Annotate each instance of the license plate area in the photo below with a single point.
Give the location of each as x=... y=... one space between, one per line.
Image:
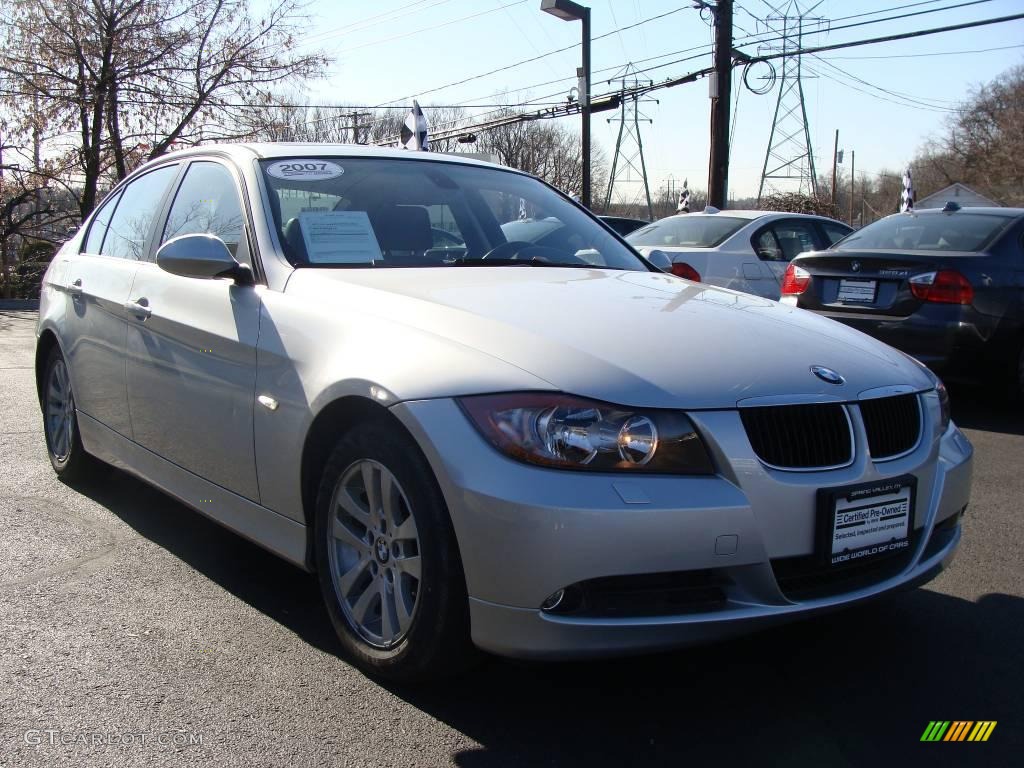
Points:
x=862 y=523
x=857 y=291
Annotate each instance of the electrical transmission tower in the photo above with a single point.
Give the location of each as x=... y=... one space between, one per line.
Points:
x=628 y=167
x=789 y=161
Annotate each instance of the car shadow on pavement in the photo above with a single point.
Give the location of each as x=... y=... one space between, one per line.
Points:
x=852 y=688
x=280 y=590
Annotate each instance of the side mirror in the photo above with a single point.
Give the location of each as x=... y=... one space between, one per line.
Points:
x=661 y=260
x=202 y=256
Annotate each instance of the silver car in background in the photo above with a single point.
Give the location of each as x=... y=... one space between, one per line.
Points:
x=742 y=250
x=539 y=450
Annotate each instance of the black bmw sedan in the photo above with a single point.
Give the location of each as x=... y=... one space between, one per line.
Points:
x=946 y=286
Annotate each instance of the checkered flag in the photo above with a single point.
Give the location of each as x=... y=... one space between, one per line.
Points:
x=684 y=198
x=907 y=197
x=414 y=129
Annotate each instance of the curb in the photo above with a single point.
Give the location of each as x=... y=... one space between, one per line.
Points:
x=19 y=304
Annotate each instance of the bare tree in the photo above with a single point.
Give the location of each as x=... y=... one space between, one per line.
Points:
x=129 y=79
x=547 y=150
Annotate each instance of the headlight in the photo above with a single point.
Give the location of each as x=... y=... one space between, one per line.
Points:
x=556 y=430
x=944 y=408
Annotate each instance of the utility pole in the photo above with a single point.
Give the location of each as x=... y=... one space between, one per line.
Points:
x=835 y=156
x=355 y=116
x=721 y=92
x=585 y=111
x=853 y=178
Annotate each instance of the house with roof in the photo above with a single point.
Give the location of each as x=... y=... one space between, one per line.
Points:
x=958 y=193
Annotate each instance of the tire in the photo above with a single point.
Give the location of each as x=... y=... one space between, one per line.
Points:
x=60 y=423
x=1017 y=392
x=388 y=562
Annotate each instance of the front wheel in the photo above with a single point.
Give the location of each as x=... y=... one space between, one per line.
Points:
x=1018 y=389
x=60 y=422
x=388 y=563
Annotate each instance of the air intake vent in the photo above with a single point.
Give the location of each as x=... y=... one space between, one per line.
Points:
x=800 y=436
x=893 y=425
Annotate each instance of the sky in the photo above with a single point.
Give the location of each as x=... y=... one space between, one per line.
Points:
x=388 y=51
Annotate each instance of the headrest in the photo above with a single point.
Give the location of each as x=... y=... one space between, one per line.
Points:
x=403 y=228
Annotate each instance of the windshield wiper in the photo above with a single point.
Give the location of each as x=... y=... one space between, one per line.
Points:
x=481 y=262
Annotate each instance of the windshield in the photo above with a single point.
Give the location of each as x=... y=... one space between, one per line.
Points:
x=384 y=212
x=931 y=232
x=693 y=231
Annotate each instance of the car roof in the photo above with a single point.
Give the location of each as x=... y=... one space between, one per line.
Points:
x=243 y=151
x=985 y=211
x=748 y=214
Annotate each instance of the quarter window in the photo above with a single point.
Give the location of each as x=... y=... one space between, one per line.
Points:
x=98 y=228
x=129 y=227
x=207 y=203
x=767 y=246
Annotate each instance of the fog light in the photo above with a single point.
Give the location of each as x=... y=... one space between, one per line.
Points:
x=554 y=601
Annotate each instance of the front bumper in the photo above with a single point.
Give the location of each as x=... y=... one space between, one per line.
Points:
x=526 y=532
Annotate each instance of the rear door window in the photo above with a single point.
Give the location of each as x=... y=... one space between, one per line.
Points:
x=129 y=227
x=795 y=237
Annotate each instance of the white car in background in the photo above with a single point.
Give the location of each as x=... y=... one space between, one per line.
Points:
x=743 y=250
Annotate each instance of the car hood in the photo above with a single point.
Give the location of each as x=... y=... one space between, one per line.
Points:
x=644 y=339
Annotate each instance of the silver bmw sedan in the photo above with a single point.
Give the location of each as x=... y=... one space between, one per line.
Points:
x=538 y=447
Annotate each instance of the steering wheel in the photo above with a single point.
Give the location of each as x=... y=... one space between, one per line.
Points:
x=517 y=249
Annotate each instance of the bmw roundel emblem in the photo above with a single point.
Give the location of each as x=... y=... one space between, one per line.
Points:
x=855 y=266
x=827 y=374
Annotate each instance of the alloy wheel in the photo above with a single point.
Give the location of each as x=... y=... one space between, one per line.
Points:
x=374 y=553
x=60 y=411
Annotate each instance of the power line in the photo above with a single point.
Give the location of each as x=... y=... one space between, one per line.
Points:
x=876 y=21
x=891 y=38
x=740 y=42
x=532 y=58
x=570 y=109
x=918 y=55
x=369 y=21
x=899 y=101
x=924 y=101
x=435 y=26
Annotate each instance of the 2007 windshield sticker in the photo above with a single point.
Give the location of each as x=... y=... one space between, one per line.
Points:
x=306 y=170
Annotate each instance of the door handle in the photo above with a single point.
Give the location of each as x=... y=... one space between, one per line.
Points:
x=75 y=289
x=139 y=308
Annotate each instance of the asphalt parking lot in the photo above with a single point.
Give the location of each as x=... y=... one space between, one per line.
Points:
x=132 y=626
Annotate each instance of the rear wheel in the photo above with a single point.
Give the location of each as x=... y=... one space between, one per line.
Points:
x=60 y=422
x=388 y=563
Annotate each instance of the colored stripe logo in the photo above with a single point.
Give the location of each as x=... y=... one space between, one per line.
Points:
x=958 y=730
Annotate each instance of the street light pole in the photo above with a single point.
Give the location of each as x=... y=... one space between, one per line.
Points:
x=566 y=10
